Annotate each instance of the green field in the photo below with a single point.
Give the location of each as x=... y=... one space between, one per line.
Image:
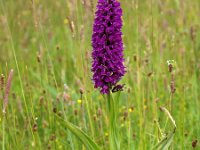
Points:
x=48 y=45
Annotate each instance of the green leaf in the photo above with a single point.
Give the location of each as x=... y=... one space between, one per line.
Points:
x=82 y=136
x=166 y=140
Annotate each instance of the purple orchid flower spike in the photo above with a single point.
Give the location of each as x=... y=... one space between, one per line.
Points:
x=108 y=63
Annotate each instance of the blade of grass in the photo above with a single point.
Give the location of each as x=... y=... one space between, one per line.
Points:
x=166 y=140
x=85 y=139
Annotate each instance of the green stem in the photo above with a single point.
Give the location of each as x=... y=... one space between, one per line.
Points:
x=3 y=142
x=113 y=131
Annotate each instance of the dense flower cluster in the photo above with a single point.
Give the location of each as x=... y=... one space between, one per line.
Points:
x=107 y=54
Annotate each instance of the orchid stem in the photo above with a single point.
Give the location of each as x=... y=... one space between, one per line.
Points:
x=113 y=131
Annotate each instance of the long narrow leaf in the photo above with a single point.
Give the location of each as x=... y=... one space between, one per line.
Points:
x=82 y=136
x=166 y=140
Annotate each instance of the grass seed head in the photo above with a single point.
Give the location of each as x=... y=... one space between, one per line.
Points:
x=2 y=82
x=194 y=143
x=7 y=90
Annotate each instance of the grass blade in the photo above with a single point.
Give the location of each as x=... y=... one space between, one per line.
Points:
x=82 y=136
x=166 y=140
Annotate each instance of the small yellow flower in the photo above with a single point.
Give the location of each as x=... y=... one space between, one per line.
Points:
x=66 y=21
x=33 y=143
x=106 y=134
x=131 y=109
x=145 y=107
x=79 y=101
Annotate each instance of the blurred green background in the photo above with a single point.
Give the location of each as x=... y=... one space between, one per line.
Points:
x=48 y=44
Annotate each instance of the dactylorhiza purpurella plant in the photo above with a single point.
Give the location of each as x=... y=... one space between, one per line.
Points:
x=107 y=67
x=107 y=54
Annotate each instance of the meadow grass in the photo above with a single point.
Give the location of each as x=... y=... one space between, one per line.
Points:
x=48 y=45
